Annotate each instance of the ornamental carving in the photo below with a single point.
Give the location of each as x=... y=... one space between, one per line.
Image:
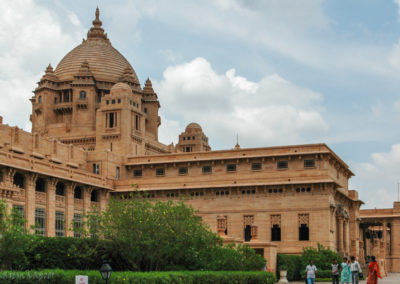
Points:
x=248 y=220
x=304 y=219
x=275 y=220
x=222 y=223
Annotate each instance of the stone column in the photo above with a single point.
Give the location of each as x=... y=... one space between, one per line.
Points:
x=384 y=238
x=340 y=235
x=103 y=194
x=395 y=245
x=30 y=200
x=69 y=209
x=51 y=207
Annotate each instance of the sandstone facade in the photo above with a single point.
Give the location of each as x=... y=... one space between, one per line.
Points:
x=95 y=133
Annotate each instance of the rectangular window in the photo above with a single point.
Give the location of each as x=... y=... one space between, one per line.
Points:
x=183 y=171
x=282 y=164
x=137 y=122
x=40 y=221
x=60 y=224
x=96 y=168
x=137 y=173
x=160 y=172
x=188 y=149
x=309 y=163
x=304 y=231
x=256 y=166
x=231 y=168
x=206 y=169
x=20 y=209
x=77 y=225
x=117 y=169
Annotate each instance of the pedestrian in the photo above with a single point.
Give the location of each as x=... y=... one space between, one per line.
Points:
x=311 y=270
x=373 y=272
x=335 y=272
x=355 y=270
x=346 y=273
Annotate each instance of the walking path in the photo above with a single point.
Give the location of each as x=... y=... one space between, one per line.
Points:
x=392 y=278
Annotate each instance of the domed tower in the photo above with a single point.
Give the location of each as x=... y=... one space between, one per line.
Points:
x=66 y=99
x=193 y=139
x=120 y=122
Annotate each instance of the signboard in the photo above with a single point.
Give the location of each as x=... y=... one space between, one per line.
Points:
x=81 y=279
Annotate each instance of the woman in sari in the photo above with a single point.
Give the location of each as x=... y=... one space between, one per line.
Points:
x=373 y=272
x=345 y=276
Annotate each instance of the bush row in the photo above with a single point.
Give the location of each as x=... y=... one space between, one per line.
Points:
x=39 y=253
x=189 y=277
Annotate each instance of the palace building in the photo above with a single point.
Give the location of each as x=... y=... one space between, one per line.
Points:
x=95 y=133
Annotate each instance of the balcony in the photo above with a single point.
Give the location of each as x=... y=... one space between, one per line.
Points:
x=63 y=108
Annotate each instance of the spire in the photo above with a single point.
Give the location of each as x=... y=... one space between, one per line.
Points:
x=97 y=32
x=84 y=70
x=237 y=146
x=148 y=91
x=129 y=77
x=49 y=74
x=49 y=69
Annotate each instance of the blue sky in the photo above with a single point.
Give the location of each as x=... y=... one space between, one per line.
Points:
x=276 y=72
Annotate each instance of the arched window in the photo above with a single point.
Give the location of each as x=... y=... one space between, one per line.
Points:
x=40 y=185
x=60 y=189
x=78 y=192
x=94 y=197
x=82 y=95
x=19 y=180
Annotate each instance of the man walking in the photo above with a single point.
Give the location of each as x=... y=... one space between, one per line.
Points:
x=355 y=270
x=311 y=271
x=335 y=272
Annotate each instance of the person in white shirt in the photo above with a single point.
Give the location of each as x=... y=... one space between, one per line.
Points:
x=355 y=270
x=311 y=271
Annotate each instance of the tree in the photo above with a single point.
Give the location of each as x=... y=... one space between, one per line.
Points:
x=13 y=237
x=166 y=236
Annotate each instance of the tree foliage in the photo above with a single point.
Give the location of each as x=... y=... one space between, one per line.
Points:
x=167 y=236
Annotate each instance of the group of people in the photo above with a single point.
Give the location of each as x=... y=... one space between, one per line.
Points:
x=351 y=271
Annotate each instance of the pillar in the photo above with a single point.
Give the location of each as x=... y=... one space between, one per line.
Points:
x=30 y=201
x=395 y=245
x=69 y=209
x=340 y=235
x=50 y=208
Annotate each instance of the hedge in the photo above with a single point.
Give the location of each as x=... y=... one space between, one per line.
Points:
x=292 y=264
x=189 y=277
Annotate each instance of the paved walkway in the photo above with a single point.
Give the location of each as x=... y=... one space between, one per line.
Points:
x=392 y=278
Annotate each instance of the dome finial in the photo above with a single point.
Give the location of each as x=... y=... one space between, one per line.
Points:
x=97 y=32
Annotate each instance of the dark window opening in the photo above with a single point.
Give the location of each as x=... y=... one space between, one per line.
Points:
x=137 y=122
x=94 y=196
x=111 y=123
x=60 y=189
x=231 y=168
x=96 y=168
x=113 y=102
x=119 y=101
x=137 y=173
x=145 y=110
x=40 y=99
x=275 y=233
x=78 y=192
x=256 y=166
x=40 y=185
x=188 y=149
x=183 y=171
x=117 y=172
x=82 y=95
x=19 y=180
x=309 y=163
x=98 y=96
x=55 y=100
x=282 y=165
x=160 y=172
x=247 y=233
x=304 y=232
x=188 y=138
x=207 y=169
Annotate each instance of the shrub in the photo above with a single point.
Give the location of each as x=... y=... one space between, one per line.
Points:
x=189 y=277
x=292 y=264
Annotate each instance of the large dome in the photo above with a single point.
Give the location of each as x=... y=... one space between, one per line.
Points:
x=105 y=62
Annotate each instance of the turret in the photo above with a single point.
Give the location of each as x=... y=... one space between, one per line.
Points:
x=151 y=105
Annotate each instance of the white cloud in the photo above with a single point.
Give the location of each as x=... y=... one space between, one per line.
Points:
x=377 y=180
x=31 y=37
x=271 y=111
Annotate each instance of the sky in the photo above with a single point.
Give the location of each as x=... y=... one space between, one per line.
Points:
x=273 y=72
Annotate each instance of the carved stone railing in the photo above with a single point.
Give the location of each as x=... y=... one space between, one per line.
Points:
x=60 y=201
x=78 y=204
x=40 y=197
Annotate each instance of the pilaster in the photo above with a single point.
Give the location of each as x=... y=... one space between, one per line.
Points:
x=69 y=209
x=50 y=207
x=30 y=200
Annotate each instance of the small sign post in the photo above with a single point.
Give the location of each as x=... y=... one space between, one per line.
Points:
x=81 y=279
